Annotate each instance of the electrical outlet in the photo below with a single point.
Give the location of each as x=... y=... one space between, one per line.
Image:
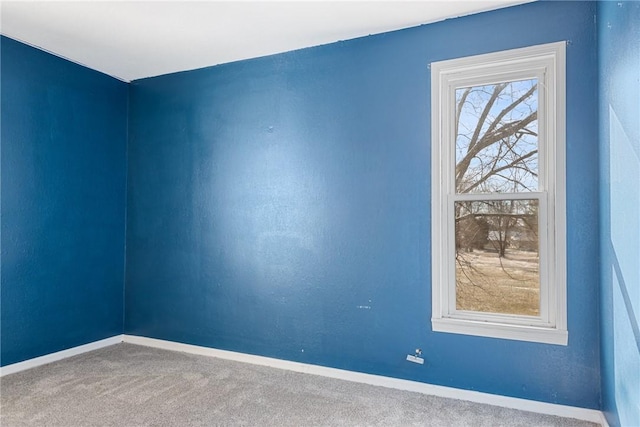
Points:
x=415 y=359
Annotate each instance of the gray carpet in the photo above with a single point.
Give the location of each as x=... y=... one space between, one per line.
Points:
x=129 y=385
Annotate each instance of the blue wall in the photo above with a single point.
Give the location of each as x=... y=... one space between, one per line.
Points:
x=64 y=134
x=281 y=207
x=619 y=55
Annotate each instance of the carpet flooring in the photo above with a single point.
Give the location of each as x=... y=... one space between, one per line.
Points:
x=129 y=385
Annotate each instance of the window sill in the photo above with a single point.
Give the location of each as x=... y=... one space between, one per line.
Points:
x=500 y=330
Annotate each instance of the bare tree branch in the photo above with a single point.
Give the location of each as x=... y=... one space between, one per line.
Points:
x=502 y=133
x=498 y=170
x=513 y=105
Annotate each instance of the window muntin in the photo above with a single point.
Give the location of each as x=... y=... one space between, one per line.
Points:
x=498 y=195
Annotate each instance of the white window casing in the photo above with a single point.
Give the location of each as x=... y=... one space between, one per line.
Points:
x=546 y=63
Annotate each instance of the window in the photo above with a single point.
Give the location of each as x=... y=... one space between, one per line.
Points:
x=498 y=195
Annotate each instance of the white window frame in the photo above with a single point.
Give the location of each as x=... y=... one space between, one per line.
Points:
x=547 y=64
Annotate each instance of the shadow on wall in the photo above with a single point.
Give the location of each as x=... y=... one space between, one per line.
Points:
x=624 y=254
x=619 y=68
x=622 y=270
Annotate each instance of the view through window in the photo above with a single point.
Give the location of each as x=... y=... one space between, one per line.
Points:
x=496 y=240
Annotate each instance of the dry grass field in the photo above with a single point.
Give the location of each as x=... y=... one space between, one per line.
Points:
x=508 y=285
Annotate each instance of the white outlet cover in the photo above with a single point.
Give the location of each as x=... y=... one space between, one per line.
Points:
x=415 y=359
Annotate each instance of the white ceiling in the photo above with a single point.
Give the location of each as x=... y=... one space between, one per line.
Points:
x=135 y=39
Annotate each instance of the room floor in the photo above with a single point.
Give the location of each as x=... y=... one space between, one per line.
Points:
x=132 y=385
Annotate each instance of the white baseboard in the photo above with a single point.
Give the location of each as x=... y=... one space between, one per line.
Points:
x=591 y=415
x=59 y=355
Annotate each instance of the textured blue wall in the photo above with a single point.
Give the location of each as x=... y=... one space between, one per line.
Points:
x=64 y=134
x=281 y=207
x=619 y=54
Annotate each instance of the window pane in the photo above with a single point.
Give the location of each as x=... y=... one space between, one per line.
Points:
x=497 y=138
x=497 y=257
